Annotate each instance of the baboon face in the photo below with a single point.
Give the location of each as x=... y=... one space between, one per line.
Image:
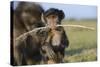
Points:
x=30 y=17
x=27 y=17
x=52 y=21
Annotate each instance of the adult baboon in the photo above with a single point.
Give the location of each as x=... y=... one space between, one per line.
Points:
x=57 y=39
x=25 y=17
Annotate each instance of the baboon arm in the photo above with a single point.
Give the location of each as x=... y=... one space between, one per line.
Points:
x=65 y=40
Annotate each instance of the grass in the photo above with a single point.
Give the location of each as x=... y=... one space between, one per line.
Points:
x=83 y=42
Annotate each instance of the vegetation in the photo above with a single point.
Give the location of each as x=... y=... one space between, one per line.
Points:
x=83 y=42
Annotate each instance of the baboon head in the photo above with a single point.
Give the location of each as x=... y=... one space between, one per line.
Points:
x=29 y=13
x=53 y=17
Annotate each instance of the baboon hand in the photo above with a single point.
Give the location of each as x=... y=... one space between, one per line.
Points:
x=49 y=51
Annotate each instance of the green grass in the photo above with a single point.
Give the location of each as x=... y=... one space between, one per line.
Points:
x=83 y=42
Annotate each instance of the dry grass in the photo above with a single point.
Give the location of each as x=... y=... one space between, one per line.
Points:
x=83 y=42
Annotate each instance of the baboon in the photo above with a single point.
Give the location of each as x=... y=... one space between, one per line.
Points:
x=25 y=17
x=56 y=39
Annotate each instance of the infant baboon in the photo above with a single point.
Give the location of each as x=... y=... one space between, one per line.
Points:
x=57 y=38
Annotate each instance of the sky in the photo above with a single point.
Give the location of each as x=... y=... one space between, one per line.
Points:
x=72 y=10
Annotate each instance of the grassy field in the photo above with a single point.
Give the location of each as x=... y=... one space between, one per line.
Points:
x=83 y=42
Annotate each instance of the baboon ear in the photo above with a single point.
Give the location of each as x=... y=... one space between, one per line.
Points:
x=61 y=15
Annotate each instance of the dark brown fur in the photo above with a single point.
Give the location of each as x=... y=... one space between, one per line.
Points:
x=28 y=50
x=25 y=17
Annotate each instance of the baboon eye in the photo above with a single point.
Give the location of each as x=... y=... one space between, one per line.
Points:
x=53 y=16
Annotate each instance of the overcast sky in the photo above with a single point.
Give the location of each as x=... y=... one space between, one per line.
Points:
x=72 y=10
